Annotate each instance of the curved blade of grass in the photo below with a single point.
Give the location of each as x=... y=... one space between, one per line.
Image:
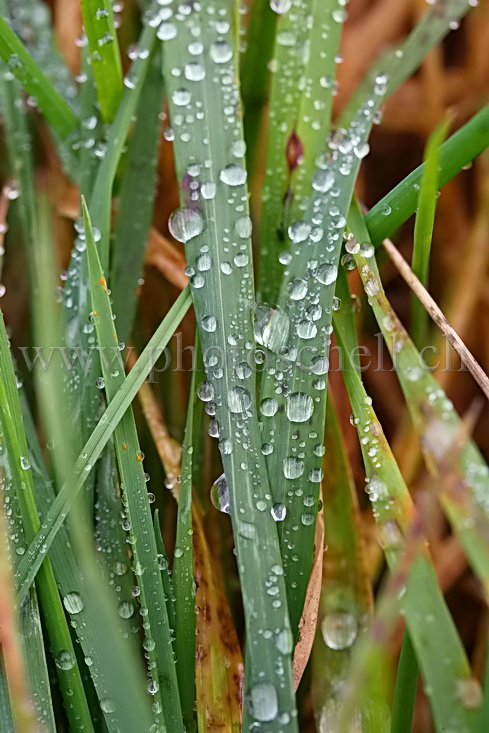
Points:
x=436 y=422
x=423 y=229
x=61 y=644
x=255 y=77
x=5 y=707
x=98 y=20
x=60 y=507
x=33 y=23
x=429 y=622
x=457 y=152
x=111 y=538
x=55 y=109
x=223 y=296
x=136 y=202
x=183 y=576
x=289 y=61
x=29 y=621
x=346 y=594
x=406 y=688
x=163 y=678
x=20 y=704
x=307 y=298
x=79 y=336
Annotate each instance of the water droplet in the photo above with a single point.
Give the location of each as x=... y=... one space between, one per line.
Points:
x=269 y=407
x=281 y=6
x=65 y=660
x=264 y=702
x=233 y=175
x=221 y=52
x=208 y=190
x=184 y=224
x=293 y=467
x=243 y=227
x=297 y=289
x=107 y=705
x=239 y=399
x=209 y=324
x=24 y=463
x=126 y=609
x=322 y=181
x=326 y=273
x=206 y=392
x=220 y=495
x=181 y=97
x=339 y=629
x=299 y=231
x=100 y=382
x=73 y=602
x=469 y=693
x=299 y=407
x=166 y=32
x=271 y=327
x=279 y=512
x=194 y=71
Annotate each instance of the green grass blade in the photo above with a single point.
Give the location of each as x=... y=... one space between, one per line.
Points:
x=55 y=109
x=423 y=230
x=255 y=76
x=112 y=539
x=429 y=622
x=136 y=202
x=33 y=24
x=183 y=575
x=105 y=58
x=436 y=422
x=29 y=622
x=93 y=448
x=406 y=688
x=289 y=60
x=346 y=595
x=5 y=708
x=163 y=680
x=59 y=635
x=457 y=152
x=306 y=299
x=216 y=228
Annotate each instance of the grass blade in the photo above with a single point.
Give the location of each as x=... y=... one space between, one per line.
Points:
x=255 y=77
x=105 y=59
x=163 y=680
x=436 y=422
x=222 y=289
x=21 y=64
x=428 y=619
x=183 y=576
x=59 y=635
x=406 y=688
x=457 y=152
x=283 y=146
x=346 y=595
x=64 y=501
x=423 y=229
x=136 y=202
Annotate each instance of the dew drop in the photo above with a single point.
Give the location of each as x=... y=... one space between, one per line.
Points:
x=299 y=407
x=233 y=175
x=184 y=224
x=220 y=495
x=264 y=702
x=73 y=602
x=339 y=630
x=239 y=399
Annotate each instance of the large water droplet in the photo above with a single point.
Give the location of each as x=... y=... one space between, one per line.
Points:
x=281 y=6
x=184 y=224
x=239 y=399
x=269 y=407
x=326 y=273
x=293 y=467
x=221 y=52
x=271 y=327
x=299 y=407
x=73 y=602
x=220 y=495
x=339 y=629
x=233 y=175
x=65 y=660
x=264 y=702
